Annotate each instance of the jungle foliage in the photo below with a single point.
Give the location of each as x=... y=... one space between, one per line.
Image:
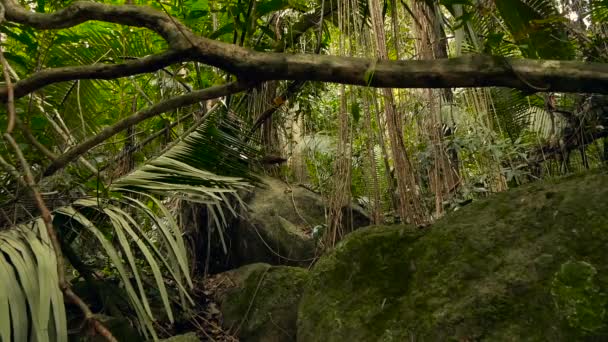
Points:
x=117 y=113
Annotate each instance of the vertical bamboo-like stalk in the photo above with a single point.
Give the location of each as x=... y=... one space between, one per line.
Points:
x=431 y=44
x=410 y=204
x=340 y=196
x=341 y=183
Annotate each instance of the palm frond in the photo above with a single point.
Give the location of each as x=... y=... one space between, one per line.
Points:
x=537 y=28
x=512 y=110
x=133 y=240
x=599 y=11
x=29 y=288
x=208 y=166
x=30 y=297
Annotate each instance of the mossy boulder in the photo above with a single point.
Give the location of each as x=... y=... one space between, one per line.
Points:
x=188 y=337
x=527 y=265
x=277 y=224
x=262 y=305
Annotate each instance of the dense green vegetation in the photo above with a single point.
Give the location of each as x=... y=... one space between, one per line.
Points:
x=133 y=130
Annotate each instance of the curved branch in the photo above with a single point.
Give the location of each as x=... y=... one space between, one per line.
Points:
x=95 y=71
x=80 y=12
x=159 y=108
x=466 y=71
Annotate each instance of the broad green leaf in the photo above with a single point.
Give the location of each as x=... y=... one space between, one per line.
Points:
x=198 y=8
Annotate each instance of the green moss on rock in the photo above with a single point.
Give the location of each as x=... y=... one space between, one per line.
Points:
x=189 y=337
x=526 y=265
x=578 y=297
x=263 y=306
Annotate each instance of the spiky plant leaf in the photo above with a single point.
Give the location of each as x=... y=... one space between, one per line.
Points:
x=122 y=219
x=133 y=239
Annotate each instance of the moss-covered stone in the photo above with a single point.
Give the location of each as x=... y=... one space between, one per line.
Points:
x=263 y=304
x=578 y=297
x=527 y=265
x=189 y=337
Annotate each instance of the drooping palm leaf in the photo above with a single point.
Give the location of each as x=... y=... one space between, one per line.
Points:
x=133 y=240
x=209 y=166
x=30 y=298
x=29 y=287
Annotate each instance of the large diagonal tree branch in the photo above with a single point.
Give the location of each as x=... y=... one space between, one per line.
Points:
x=161 y=107
x=466 y=71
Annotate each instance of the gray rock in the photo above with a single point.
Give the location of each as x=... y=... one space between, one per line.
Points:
x=276 y=228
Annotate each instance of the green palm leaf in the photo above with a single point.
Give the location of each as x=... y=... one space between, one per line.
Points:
x=29 y=286
x=209 y=166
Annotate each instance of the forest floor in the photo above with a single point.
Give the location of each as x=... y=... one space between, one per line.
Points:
x=206 y=318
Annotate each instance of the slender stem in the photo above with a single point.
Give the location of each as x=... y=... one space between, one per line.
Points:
x=32 y=140
x=10 y=99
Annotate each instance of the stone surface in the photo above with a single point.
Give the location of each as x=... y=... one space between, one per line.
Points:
x=189 y=337
x=276 y=228
x=527 y=265
x=262 y=305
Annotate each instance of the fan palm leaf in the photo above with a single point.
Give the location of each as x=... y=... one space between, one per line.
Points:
x=28 y=305
x=207 y=166
x=37 y=310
